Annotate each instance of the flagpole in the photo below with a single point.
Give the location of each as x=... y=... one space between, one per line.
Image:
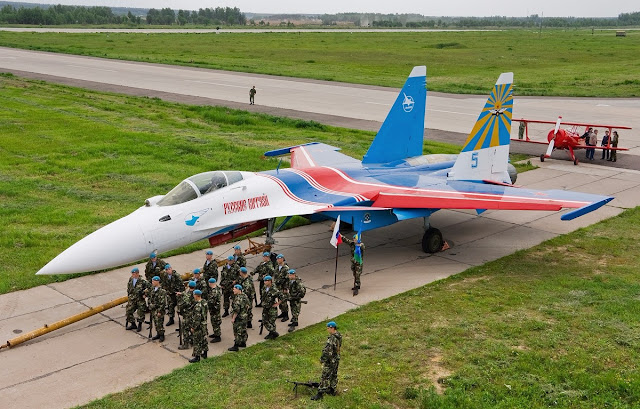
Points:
x=335 y=274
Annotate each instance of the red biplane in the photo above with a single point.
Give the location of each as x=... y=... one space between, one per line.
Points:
x=568 y=139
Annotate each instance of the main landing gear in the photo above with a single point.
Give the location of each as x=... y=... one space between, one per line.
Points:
x=432 y=241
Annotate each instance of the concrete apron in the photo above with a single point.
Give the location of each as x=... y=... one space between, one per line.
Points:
x=95 y=357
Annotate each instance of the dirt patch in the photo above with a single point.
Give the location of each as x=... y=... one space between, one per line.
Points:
x=436 y=372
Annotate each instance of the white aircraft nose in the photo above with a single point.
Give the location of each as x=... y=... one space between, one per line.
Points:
x=118 y=243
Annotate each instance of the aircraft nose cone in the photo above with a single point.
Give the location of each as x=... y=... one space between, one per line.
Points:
x=115 y=244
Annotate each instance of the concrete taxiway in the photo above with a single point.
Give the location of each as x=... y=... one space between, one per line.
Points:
x=94 y=357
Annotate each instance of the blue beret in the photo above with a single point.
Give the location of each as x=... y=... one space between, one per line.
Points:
x=209 y=252
x=196 y=271
x=267 y=278
x=212 y=280
x=155 y=278
x=197 y=292
x=292 y=271
x=238 y=286
x=167 y=266
x=266 y=254
x=153 y=255
x=192 y=283
x=135 y=270
x=280 y=256
x=237 y=247
x=230 y=258
x=331 y=324
x=243 y=269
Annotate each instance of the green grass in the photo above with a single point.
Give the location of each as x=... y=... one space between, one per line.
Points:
x=74 y=160
x=552 y=326
x=557 y=62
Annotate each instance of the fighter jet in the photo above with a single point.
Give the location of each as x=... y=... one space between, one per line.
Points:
x=393 y=182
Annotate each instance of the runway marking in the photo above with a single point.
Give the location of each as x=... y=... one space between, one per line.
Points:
x=451 y=112
x=216 y=83
x=90 y=68
x=375 y=103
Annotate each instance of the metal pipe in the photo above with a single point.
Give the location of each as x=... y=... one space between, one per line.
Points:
x=63 y=323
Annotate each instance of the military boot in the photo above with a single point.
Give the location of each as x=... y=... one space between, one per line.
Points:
x=170 y=322
x=204 y=355
x=226 y=313
x=195 y=359
x=249 y=324
x=318 y=396
x=274 y=335
x=234 y=348
x=215 y=339
x=291 y=328
x=139 y=326
x=161 y=338
x=355 y=292
x=285 y=318
x=157 y=336
x=130 y=325
x=281 y=315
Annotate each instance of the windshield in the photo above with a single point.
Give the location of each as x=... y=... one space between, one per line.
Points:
x=198 y=185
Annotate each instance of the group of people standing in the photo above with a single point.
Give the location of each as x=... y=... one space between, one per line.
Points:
x=609 y=141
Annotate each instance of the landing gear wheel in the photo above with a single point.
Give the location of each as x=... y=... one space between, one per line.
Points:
x=575 y=161
x=542 y=158
x=432 y=241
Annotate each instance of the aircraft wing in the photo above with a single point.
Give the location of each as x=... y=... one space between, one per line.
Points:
x=315 y=154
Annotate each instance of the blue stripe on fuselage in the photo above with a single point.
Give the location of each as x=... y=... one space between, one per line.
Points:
x=300 y=187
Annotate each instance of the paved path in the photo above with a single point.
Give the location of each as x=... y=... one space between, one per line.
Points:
x=94 y=357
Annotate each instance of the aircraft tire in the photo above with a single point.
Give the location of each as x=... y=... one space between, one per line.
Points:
x=575 y=161
x=542 y=158
x=432 y=241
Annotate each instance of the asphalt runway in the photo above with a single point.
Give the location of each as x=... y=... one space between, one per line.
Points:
x=94 y=357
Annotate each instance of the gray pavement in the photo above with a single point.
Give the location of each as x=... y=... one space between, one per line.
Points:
x=94 y=357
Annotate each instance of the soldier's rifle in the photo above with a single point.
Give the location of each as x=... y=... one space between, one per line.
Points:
x=309 y=384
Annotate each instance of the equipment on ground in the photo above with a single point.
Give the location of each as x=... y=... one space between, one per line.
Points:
x=310 y=384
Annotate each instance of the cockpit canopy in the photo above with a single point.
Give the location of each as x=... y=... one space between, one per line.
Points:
x=198 y=185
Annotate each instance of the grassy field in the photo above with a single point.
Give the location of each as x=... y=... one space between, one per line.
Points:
x=567 y=63
x=552 y=326
x=74 y=160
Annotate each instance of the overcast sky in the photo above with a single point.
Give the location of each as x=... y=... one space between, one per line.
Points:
x=561 y=8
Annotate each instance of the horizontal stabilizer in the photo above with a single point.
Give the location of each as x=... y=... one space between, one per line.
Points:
x=585 y=209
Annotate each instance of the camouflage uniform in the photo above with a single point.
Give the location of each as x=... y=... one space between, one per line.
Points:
x=356 y=268
x=229 y=274
x=172 y=285
x=281 y=281
x=136 y=300
x=241 y=305
x=201 y=285
x=199 y=326
x=240 y=260
x=185 y=308
x=264 y=269
x=269 y=312
x=249 y=290
x=210 y=270
x=330 y=360
x=213 y=301
x=150 y=270
x=157 y=297
x=297 y=291
x=614 y=144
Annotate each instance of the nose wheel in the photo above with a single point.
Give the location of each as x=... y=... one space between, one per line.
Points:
x=432 y=241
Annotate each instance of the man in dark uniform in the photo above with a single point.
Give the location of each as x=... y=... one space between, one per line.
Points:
x=172 y=284
x=247 y=287
x=210 y=267
x=228 y=277
x=330 y=360
x=357 y=258
x=185 y=309
x=199 y=327
x=239 y=258
x=154 y=266
x=271 y=298
x=297 y=291
x=136 y=288
x=214 y=298
x=282 y=283
x=157 y=298
x=200 y=283
x=239 y=312
x=252 y=95
x=264 y=269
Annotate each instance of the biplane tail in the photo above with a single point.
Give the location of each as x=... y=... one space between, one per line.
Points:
x=402 y=133
x=485 y=155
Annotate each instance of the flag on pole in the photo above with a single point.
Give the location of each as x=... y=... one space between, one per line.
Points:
x=357 y=254
x=336 y=238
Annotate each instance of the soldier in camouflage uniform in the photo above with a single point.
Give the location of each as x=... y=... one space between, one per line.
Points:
x=282 y=283
x=185 y=309
x=238 y=256
x=214 y=298
x=172 y=284
x=271 y=298
x=356 y=266
x=135 y=293
x=199 y=327
x=154 y=267
x=157 y=298
x=200 y=283
x=297 y=291
x=330 y=360
x=249 y=290
x=264 y=269
x=210 y=267
x=228 y=277
x=239 y=312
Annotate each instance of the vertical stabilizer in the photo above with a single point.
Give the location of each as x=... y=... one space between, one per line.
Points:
x=401 y=135
x=485 y=155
